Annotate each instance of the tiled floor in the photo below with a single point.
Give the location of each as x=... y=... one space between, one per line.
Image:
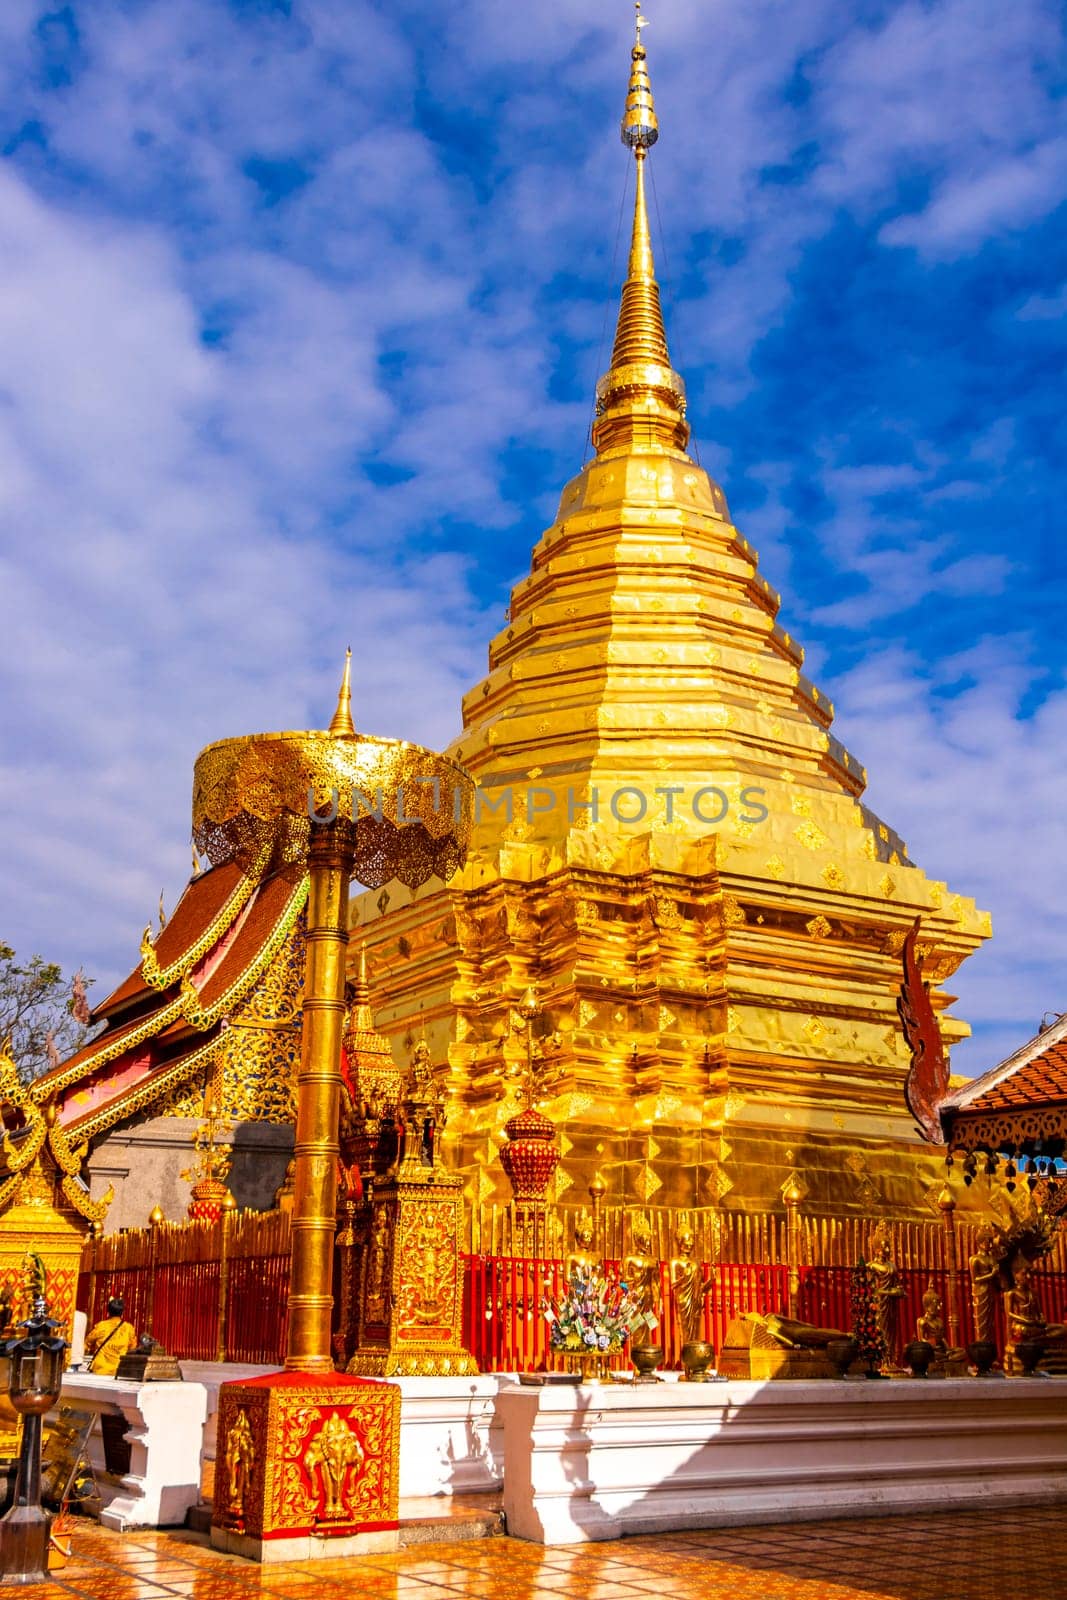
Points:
x=1021 y=1554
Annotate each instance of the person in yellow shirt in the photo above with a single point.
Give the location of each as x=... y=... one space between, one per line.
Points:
x=109 y=1341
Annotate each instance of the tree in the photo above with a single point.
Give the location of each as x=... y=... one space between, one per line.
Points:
x=44 y=1014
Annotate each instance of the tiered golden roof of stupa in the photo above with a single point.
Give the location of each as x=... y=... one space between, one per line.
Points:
x=643 y=649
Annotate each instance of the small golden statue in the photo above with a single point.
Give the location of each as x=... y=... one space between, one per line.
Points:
x=239 y=1460
x=334 y=1450
x=887 y=1291
x=641 y=1271
x=583 y=1259
x=689 y=1285
x=379 y=1256
x=1026 y=1321
x=985 y=1278
x=930 y=1329
x=422 y=1114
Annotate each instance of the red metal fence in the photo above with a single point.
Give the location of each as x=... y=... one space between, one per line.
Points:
x=218 y=1291
x=208 y=1291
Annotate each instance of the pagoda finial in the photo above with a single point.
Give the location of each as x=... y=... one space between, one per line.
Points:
x=641 y=382
x=342 y=726
x=640 y=128
x=361 y=987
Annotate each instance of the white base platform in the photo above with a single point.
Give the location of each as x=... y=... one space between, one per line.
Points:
x=165 y=1429
x=603 y=1461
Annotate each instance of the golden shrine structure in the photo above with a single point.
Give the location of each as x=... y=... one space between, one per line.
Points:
x=671 y=849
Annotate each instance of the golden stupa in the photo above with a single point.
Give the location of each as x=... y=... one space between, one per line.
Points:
x=672 y=850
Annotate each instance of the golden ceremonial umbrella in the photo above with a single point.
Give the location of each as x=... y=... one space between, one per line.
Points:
x=348 y=805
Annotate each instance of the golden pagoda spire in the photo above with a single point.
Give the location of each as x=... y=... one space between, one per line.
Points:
x=641 y=399
x=360 y=1015
x=361 y=987
x=342 y=726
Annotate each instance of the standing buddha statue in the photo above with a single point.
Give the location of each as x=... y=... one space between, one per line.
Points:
x=641 y=1271
x=985 y=1277
x=583 y=1260
x=689 y=1285
x=887 y=1291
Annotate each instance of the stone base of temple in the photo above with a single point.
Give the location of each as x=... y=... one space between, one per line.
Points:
x=163 y=1439
x=416 y=1361
x=606 y=1459
x=603 y=1461
x=306 y=1548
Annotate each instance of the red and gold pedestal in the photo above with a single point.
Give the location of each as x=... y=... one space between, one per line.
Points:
x=411 y=1304
x=307 y=1465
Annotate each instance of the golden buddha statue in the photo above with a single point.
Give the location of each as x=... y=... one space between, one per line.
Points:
x=1026 y=1321
x=689 y=1285
x=641 y=1271
x=985 y=1277
x=791 y=1333
x=583 y=1259
x=887 y=1291
x=930 y=1329
x=930 y=1326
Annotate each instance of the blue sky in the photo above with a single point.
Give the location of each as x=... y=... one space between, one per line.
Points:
x=300 y=313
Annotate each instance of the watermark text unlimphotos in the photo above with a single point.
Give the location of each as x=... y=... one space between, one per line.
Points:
x=628 y=805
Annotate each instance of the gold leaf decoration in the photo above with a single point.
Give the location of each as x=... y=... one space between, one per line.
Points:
x=733 y=912
x=811 y=836
x=646 y=1183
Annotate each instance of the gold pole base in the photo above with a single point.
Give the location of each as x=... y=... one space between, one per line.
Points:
x=413 y=1363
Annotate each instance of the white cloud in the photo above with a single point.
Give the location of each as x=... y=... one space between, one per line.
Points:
x=152 y=600
x=968 y=208
x=974 y=783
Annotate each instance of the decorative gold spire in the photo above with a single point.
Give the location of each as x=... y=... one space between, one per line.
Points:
x=640 y=128
x=641 y=399
x=342 y=726
x=360 y=1004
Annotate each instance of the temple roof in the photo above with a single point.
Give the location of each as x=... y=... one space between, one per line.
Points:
x=1018 y=1104
x=208 y=905
x=163 y=1022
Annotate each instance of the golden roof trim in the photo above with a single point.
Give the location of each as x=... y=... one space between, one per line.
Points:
x=201 y=1017
x=160 y=978
x=45 y=1087
x=152 y=1088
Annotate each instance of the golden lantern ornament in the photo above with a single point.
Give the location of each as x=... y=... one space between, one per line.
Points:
x=531 y=1155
